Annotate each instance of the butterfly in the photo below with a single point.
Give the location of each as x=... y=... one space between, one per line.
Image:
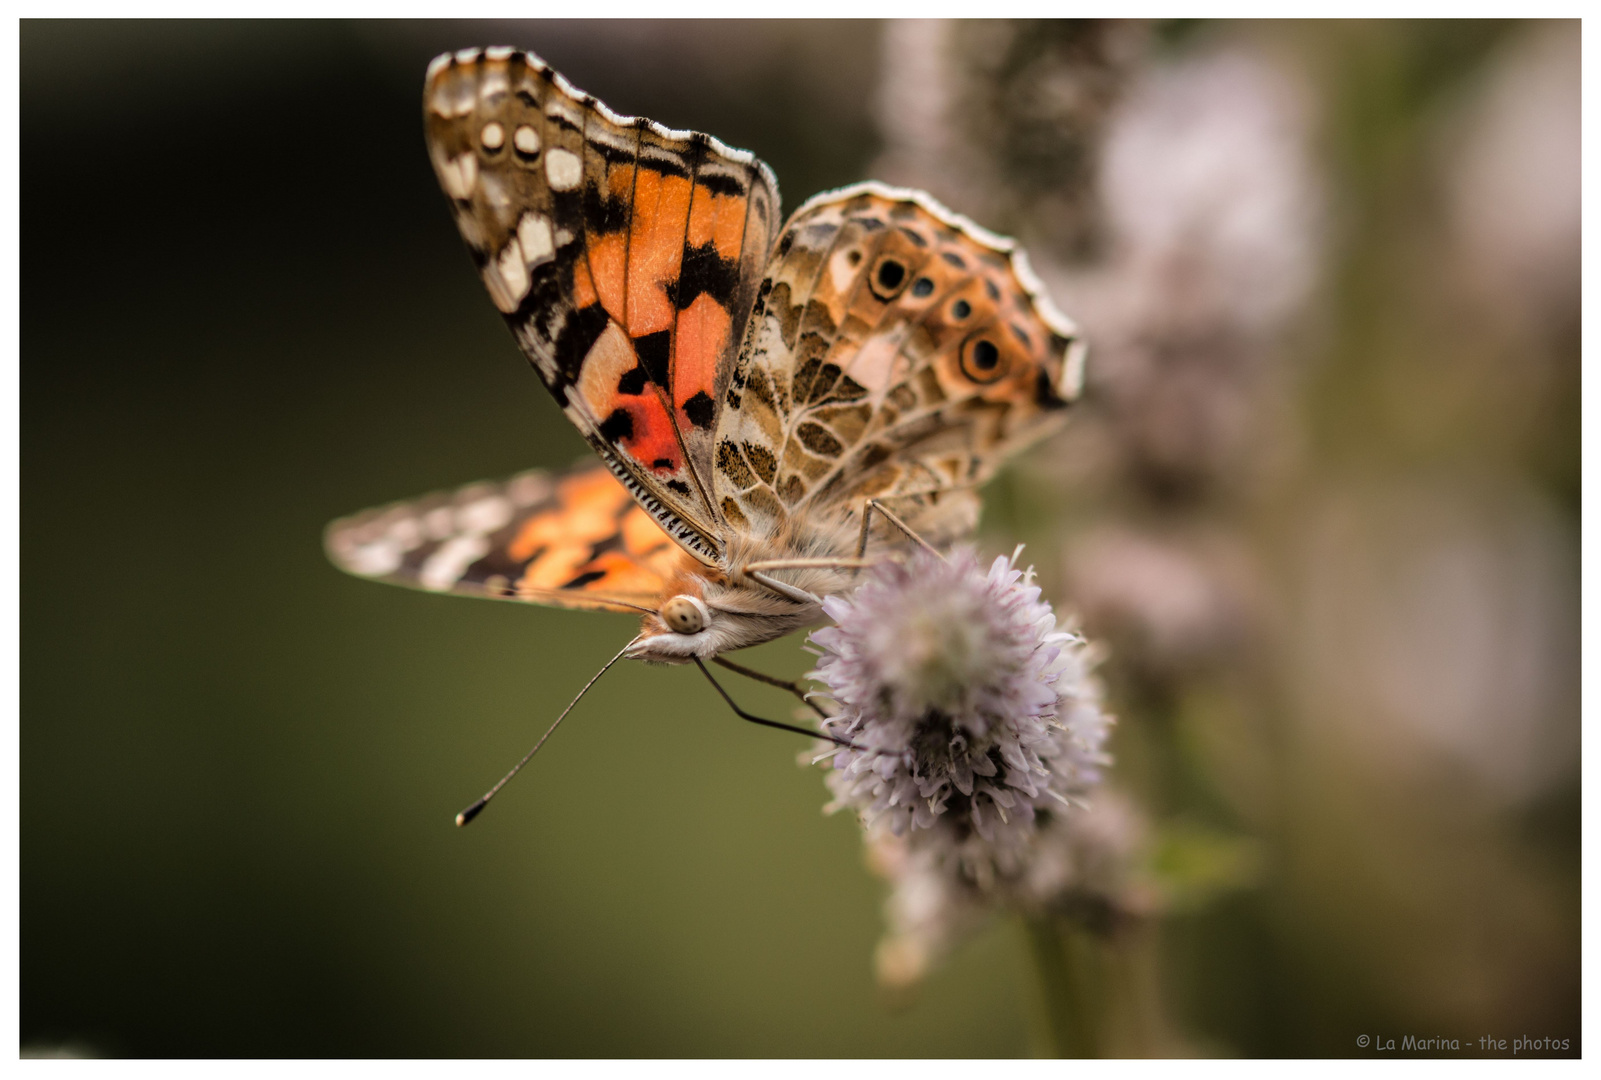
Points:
x=770 y=407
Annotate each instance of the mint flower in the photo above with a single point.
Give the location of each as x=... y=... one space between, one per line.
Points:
x=972 y=712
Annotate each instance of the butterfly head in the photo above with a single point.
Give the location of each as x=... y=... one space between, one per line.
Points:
x=708 y=618
x=683 y=627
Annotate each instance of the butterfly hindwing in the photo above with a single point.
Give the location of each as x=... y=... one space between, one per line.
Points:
x=573 y=539
x=624 y=256
x=897 y=351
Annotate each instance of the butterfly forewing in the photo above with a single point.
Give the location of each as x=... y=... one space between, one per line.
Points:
x=572 y=538
x=624 y=256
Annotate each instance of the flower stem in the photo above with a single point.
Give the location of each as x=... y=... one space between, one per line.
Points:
x=1067 y=1027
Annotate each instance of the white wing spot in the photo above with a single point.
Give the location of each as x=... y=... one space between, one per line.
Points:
x=533 y=232
x=466 y=56
x=842 y=271
x=563 y=169
x=374 y=559
x=513 y=273
x=459 y=175
x=405 y=533
x=526 y=140
x=1072 y=384
x=562 y=108
x=484 y=515
x=439 y=523
x=445 y=566
x=528 y=488
x=493 y=136
x=452 y=96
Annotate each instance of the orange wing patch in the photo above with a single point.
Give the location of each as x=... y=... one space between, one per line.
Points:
x=593 y=538
x=608 y=269
x=703 y=330
x=669 y=277
x=585 y=512
x=655 y=250
x=718 y=220
x=714 y=237
x=574 y=539
x=613 y=385
x=664 y=274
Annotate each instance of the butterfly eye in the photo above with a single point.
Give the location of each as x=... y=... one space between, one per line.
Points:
x=684 y=615
x=887 y=278
x=982 y=361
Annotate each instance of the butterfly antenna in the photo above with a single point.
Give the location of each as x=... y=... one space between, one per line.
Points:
x=478 y=807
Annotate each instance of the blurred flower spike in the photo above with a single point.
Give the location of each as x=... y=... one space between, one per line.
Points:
x=1089 y=865
x=974 y=712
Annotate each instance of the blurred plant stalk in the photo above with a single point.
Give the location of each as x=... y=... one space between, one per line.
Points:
x=1072 y=996
x=1099 y=991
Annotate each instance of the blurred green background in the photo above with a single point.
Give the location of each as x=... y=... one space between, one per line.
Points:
x=245 y=311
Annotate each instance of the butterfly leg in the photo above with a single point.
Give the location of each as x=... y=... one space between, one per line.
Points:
x=743 y=715
x=793 y=688
x=867 y=522
x=757 y=571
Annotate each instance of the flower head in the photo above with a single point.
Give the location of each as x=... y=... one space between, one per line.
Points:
x=971 y=711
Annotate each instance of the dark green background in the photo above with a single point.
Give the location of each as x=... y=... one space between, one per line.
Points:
x=245 y=312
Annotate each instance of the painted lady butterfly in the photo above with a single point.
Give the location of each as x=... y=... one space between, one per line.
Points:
x=750 y=392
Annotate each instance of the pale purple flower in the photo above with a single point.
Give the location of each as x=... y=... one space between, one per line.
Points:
x=973 y=713
x=1215 y=223
x=1513 y=182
